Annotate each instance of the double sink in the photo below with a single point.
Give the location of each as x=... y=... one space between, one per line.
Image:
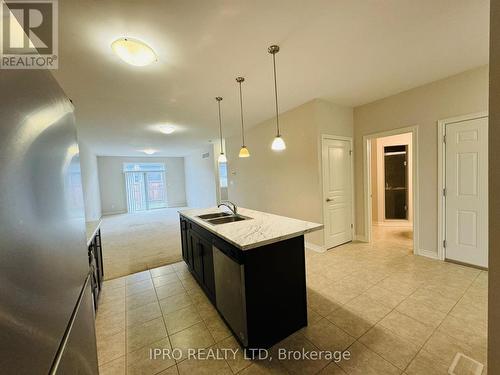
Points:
x=218 y=218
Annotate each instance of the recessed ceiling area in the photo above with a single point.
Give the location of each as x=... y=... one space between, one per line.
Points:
x=348 y=52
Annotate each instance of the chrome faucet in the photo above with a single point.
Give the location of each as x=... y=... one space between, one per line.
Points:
x=228 y=204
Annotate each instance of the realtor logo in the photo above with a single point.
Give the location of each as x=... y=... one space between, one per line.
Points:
x=29 y=34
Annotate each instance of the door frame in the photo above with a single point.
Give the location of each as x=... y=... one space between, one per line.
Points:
x=441 y=174
x=324 y=195
x=367 y=183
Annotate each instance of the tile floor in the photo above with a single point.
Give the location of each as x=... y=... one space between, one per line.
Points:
x=394 y=312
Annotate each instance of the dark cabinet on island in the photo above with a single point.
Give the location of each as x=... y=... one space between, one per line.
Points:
x=252 y=269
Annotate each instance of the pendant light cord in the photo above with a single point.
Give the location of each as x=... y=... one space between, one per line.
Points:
x=276 y=95
x=241 y=112
x=220 y=125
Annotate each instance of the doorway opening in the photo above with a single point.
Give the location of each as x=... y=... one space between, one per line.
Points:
x=145 y=186
x=391 y=188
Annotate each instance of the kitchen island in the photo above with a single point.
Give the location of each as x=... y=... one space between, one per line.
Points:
x=252 y=267
x=94 y=248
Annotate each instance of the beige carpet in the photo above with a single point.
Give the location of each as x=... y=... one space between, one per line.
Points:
x=140 y=241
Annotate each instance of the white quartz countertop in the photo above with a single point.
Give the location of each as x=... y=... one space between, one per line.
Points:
x=91 y=228
x=262 y=229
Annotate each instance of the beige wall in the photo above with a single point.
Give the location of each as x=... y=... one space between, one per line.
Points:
x=112 y=181
x=289 y=182
x=494 y=197
x=90 y=183
x=423 y=107
x=378 y=175
x=200 y=178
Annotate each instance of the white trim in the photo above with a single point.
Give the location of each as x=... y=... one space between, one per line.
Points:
x=441 y=253
x=428 y=254
x=351 y=145
x=177 y=204
x=360 y=238
x=314 y=247
x=367 y=191
x=108 y=213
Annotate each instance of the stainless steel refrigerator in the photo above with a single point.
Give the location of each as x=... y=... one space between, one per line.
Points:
x=46 y=312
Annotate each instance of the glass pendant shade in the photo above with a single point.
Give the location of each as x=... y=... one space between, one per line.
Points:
x=278 y=144
x=244 y=152
x=222 y=158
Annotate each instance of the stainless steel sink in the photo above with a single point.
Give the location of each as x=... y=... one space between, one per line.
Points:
x=214 y=215
x=228 y=219
x=218 y=218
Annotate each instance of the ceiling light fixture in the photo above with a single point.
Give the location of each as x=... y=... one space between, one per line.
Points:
x=244 y=153
x=167 y=129
x=278 y=142
x=134 y=51
x=149 y=151
x=222 y=158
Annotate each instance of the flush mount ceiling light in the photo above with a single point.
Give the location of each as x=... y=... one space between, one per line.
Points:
x=134 y=52
x=244 y=153
x=167 y=129
x=222 y=158
x=278 y=142
x=149 y=151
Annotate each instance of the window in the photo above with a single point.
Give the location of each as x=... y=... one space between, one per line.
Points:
x=223 y=181
x=223 y=175
x=145 y=185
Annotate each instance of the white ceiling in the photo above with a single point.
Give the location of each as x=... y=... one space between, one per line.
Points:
x=350 y=52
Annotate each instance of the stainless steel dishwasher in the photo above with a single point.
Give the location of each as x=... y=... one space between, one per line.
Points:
x=230 y=293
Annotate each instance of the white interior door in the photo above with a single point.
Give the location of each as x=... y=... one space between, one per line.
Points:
x=337 y=191
x=466 y=184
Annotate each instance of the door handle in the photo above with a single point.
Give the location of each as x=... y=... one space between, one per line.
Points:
x=330 y=199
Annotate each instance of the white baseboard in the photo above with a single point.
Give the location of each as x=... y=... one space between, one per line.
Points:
x=108 y=213
x=314 y=247
x=427 y=253
x=360 y=238
x=176 y=204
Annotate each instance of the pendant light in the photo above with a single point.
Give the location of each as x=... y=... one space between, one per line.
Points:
x=244 y=153
x=222 y=158
x=278 y=142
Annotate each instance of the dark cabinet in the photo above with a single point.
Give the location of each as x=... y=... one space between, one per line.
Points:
x=208 y=265
x=184 y=240
x=186 y=243
x=198 y=255
x=96 y=265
